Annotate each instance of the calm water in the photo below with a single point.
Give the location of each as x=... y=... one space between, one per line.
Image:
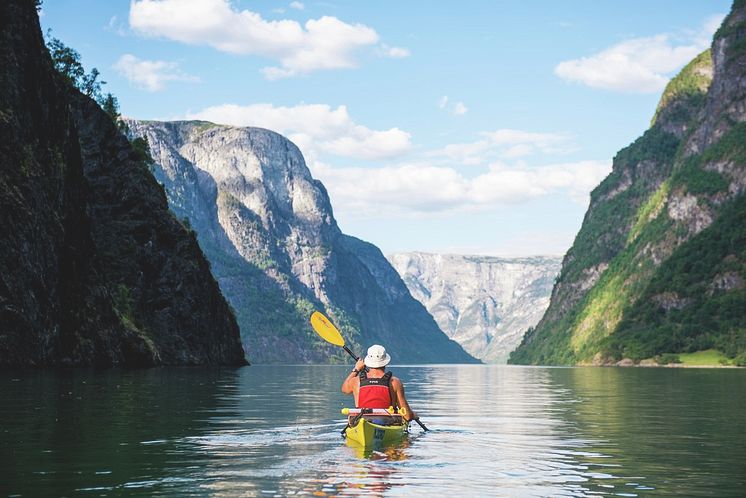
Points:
x=267 y=431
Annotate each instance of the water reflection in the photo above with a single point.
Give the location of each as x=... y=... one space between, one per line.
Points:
x=274 y=431
x=502 y=429
x=88 y=432
x=393 y=451
x=673 y=431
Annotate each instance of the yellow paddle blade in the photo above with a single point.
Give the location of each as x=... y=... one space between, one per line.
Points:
x=326 y=329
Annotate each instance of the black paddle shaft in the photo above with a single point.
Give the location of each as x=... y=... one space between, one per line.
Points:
x=421 y=424
x=351 y=353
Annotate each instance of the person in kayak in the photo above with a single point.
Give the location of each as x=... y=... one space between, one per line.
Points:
x=376 y=388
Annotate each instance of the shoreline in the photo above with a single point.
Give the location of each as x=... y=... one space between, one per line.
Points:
x=652 y=364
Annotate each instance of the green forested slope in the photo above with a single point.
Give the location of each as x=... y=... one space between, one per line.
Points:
x=658 y=265
x=703 y=280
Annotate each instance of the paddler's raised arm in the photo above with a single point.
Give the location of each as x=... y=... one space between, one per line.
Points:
x=349 y=384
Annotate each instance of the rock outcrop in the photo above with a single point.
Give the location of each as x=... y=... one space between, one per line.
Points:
x=644 y=274
x=268 y=229
x=484 y=303
x=94 y=269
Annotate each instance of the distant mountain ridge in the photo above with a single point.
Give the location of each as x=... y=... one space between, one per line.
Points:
x=484 y=303
x=268 y=229
x=659 y=265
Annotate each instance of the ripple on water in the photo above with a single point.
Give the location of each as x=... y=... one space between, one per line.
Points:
x=274 y=431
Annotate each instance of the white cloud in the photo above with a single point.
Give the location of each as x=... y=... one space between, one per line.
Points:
x=465 y=153
x=297 y=5
x=709 y=27
x=639 y=65
x=324 y=43
x=531 y=241
x=394 y=52
x=429 y=182
x=416 y=189
x=459 y=109
x=150 y=75
x=315 y=128
x=117 y=26
x=504 y=143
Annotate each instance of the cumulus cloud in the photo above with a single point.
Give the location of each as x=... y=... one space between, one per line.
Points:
x=417 y=183
x=297 y=5
x=639 y=65
x=536 y=241
x=459 y=109
x=150 y=75
x=414 y=189
x=115 y=25
x=393 y=52
x=324 y=43
x=504 y=143
x=315 y=128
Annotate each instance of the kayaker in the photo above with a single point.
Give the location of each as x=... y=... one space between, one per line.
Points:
x=376 y=388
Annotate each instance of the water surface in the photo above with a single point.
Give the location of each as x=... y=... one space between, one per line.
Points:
x=274 y=431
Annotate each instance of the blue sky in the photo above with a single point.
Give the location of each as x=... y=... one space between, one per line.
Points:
x=469 y=127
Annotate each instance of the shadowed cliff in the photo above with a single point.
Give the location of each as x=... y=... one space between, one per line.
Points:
x=94 y=269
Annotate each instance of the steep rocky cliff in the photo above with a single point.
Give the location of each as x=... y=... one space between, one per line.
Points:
x=660 y=260
x=484 y=303
x=94 y=269
x=268 y=230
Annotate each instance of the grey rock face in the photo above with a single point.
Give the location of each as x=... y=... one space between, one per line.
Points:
x=485 y=304
x=268 y=230
x=724 y=105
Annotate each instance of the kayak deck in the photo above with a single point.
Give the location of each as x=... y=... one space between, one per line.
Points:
x=368 y=433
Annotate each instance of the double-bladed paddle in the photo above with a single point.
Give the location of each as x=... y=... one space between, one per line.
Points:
x=326 y=329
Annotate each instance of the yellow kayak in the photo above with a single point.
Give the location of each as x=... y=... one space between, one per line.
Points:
x=375 y=427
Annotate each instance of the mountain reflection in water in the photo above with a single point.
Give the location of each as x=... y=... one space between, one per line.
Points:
x=274 y=431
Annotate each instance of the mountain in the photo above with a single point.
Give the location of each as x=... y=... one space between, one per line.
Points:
x=659 y=263
x=484 y=303
x=94 y=269
x=268 y=229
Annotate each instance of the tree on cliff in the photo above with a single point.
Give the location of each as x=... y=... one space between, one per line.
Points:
x=66 y=61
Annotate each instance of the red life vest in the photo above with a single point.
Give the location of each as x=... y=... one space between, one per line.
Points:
x=374 y=392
